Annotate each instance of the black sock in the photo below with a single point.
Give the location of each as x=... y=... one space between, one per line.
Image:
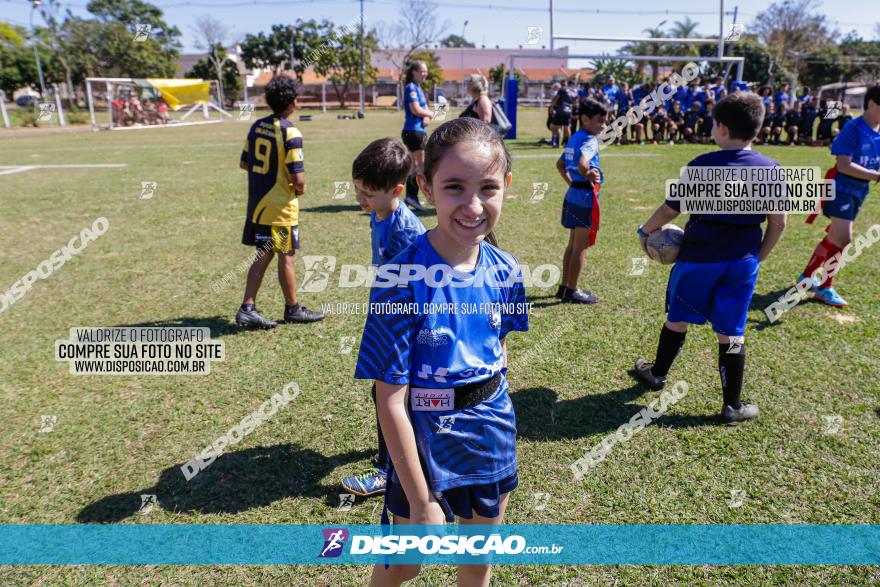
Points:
x=732 y=368
x=382 y=457
x=412 y=188
x=668 y=347
x=292 y=309
x=248 y=307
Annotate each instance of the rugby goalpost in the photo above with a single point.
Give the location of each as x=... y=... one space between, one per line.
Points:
x=511 y=87
x=104 y=95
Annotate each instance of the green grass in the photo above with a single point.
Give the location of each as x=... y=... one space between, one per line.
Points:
x=118 y=437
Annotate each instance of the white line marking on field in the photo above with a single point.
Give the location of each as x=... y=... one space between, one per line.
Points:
x=556 y=155
x=10 y=169
x=176 y=124
x=139 y=147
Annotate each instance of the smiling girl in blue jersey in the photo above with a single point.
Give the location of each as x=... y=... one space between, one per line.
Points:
x=440 y=378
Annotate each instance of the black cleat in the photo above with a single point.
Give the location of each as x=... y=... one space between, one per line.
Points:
x=646 y=376
x=414 y=203
x=560 y=292
x=253 y=318
x=301 y=314
x=733 y=416
x=574 y=296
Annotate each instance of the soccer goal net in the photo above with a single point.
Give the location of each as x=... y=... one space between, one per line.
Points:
x=130 y=103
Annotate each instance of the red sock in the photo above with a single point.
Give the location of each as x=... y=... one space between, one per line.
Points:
x=820 y=254
x=824 y=251
x=829 y=280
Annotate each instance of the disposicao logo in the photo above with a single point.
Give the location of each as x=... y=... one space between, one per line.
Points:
x=334 y=540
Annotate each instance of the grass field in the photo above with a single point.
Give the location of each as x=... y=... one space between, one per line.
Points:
x=117 y=437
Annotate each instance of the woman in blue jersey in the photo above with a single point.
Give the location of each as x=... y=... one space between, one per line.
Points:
x=414 y=135
x=434 y=344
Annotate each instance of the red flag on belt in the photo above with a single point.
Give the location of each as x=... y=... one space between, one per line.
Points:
x=594 y=228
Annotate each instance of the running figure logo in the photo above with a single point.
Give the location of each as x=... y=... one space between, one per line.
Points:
x=334 y=539
x=317 y=272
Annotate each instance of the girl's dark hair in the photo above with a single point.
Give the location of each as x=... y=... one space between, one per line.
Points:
x=384 y=164
x=461 y=130
x=280 y=93
x=411 y=67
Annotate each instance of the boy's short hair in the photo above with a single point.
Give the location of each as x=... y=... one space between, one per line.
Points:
x=383 y=164
x=591 y=107
x=742 y=114
x=280 y=93
x=873 y=93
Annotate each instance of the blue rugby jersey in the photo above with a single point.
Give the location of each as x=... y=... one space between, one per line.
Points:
x=413 y=94
x=689 y=98
x=390 y=236
x=444 y=349
x=624 y=100
x=859 y=141
x=723 y=237
x=581 y=144
x=782 y=97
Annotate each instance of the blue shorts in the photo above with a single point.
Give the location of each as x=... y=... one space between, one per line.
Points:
x=464 y=501
x=574 y=216
x=719 y=292
x=578 y=208
x=844 y=206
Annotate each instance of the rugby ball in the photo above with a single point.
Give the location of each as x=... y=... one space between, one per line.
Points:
x=663 y=245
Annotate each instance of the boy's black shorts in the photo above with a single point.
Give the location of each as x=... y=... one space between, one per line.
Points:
x=279 y=239
x=825 y=131
x=414 y=140
x=562 y=119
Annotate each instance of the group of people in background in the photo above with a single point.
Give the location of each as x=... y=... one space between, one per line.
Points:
x=130 y=111
x=687 y=115
x=797 y=118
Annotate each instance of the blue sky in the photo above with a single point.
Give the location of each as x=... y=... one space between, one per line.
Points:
x=489 y=22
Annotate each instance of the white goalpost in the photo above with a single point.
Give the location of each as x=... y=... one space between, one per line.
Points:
x=511 y=87
x=121 y=103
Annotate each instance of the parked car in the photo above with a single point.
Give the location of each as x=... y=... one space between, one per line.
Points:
x=26 y=100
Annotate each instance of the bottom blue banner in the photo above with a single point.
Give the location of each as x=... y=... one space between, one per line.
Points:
x=184 y=544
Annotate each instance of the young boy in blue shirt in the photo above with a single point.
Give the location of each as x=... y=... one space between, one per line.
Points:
x=579 y=167
x=857 y=148
x=716 y=270
x=380 y=173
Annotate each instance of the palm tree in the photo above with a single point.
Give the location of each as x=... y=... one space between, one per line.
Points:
x=684 y=30
x=655 y=48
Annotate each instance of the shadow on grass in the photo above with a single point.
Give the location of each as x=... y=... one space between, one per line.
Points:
x=547 y=300
x=219 y=325
x=235 y=482
x=334 y=208
x=762 y=301
x=529 y=145
x=331 y=208
x=541 y=417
